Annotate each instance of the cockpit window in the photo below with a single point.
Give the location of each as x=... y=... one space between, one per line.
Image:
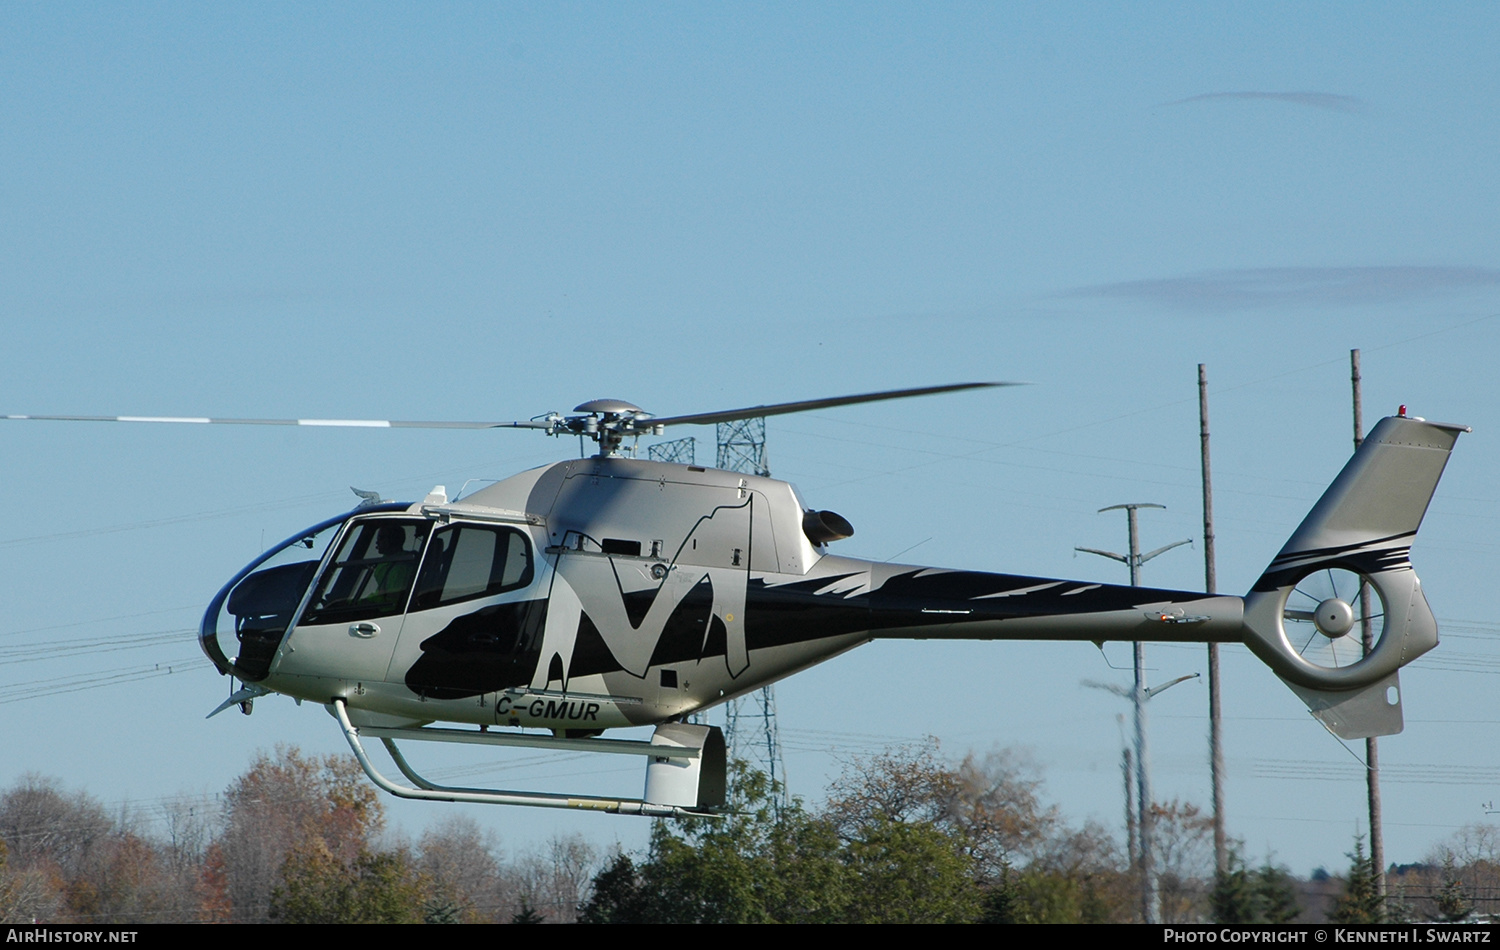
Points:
x=465 y=562
x=261 y=604
x=371 y=574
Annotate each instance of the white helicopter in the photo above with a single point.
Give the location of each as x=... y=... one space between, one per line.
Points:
x=611 y=592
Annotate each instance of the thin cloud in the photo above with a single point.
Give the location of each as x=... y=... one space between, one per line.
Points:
x=1255 y=288
x=1314 y=100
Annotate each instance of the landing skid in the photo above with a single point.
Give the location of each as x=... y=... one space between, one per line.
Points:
x=684 y=772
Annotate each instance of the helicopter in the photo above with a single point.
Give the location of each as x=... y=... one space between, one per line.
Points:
x=610 y=592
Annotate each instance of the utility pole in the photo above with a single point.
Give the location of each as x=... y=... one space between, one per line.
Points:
x=1211 y=585
x=1372 y=751
x=1139 y=697
x=1127 y=771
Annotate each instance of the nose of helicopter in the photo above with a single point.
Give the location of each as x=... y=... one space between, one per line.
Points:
x=246 y=620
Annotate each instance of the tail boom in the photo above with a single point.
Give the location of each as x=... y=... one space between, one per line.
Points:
x=1362 y=528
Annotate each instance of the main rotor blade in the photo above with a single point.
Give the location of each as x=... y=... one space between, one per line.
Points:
x=338 y=423
x=781 y=408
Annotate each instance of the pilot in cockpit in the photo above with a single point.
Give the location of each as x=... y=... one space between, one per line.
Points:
x=391 y=578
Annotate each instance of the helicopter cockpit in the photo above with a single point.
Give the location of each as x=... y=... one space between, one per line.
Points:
x=372 y=573
x=258 y=604
x=371 y=568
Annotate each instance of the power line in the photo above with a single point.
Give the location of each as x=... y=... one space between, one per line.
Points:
x=35 y=689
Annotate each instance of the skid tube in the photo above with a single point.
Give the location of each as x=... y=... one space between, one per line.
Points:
x=430 y=791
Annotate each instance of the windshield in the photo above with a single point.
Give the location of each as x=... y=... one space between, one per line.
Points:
x=372 y=573
x=244 y=625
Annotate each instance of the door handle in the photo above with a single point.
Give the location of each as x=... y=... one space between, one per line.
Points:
x=364 y=630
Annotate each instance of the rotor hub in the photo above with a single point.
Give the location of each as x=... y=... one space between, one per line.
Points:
x=1334 y=618
x=609 y=406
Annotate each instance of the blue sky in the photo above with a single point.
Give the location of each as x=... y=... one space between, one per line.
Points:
x=489 y=212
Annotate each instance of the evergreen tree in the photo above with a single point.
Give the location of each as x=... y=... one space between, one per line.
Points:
x=527 y=915
x=1233 y=899
x=1277 y=896
x=911 y=873
x=762 y=863
x=319 y=888
x=617 y=896
x=1262 y=896
x=441 y=912
x=1360 y=902
x=1398 y=910
x=1453 y=901
x=1001 y=905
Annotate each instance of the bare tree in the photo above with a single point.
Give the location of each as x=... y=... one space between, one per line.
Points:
x=462 y=866
x=42 y=825
x=993 y=805
x=908 y=783
x=1472 y=858
x=554 y=881
x=27 y=896
x=69 y=862
x=1184 y=861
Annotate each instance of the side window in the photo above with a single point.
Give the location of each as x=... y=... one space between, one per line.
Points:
x=371 y=574
x=468 y=561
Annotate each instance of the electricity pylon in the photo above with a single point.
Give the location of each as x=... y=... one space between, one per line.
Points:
x=750 y=728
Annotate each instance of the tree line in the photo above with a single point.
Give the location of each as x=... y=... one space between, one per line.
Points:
x=902 y=837
x=294 y=839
